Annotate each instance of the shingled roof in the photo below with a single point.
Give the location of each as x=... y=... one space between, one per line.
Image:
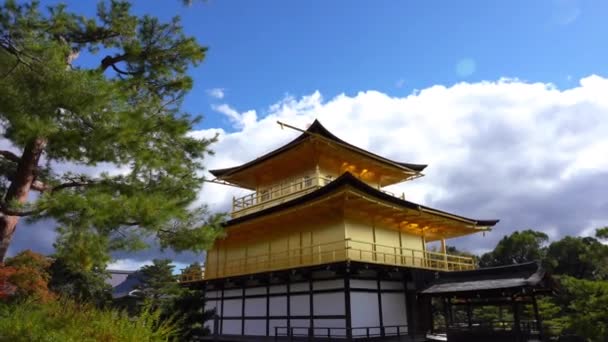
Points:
x=316 y=129
x=511 y=277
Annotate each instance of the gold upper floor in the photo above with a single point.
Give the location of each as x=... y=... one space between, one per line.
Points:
x=284 y=191
x=317 y=149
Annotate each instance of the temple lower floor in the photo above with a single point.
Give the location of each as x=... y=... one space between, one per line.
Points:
x=346 y=300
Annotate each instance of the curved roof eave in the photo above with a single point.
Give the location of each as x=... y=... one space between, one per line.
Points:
x=350 y=180
x=316 y=128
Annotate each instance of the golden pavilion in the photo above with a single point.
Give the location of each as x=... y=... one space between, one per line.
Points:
x=318 y=248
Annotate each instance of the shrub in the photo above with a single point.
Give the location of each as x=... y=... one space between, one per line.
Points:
x=65 y=320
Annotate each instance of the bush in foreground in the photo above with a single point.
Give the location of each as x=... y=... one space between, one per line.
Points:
x=65 y=320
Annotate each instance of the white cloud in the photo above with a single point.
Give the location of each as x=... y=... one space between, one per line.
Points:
x=238 y=120
x=507 y=149
x=217 y=93
x=128 y=264
x=527 y=153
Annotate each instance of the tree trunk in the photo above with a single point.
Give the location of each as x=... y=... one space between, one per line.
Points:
x=19 y=190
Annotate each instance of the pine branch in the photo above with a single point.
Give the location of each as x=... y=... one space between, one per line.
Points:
x=8 y=155
x=109 y=61
x=39 y=186
x=71 y=184
x=4 y=209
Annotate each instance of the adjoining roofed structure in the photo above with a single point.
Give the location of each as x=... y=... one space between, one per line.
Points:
x=497 y=303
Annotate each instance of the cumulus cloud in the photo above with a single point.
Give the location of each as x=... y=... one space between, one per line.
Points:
x=238 y=120
x=217 y=93
x=529 y=154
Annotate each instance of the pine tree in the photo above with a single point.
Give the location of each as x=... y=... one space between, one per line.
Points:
x=78 y=92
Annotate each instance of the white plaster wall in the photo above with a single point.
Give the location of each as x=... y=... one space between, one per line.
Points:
x=212 y=294
x=278 y=289
x=255 y=307
x=329 y=303
x=232 y=327
x=300 y=323
x=261 y=290
x=364 y=309
x=300 y=305
x=209 y=325
x=295 y=287
x=330 y=323
x=363 y=284
x=233 y=293
x=391 y=285
x=393 y=309
x=328 y=284
x=300 y=326
x=233 y=307
x=277 y=323
x=213 y=304
x=278 y=306
x=255 y=327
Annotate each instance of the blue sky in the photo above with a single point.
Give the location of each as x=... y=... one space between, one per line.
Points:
x=262 y=50
x=505 y=100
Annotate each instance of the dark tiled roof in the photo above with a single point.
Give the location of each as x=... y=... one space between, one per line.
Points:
x=315 y=128
x=117 y=276
x=347 y=179
x=529 y=274
x=128 y=285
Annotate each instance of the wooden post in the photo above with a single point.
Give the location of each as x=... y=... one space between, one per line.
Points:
x=470 y=315
x=539 y=325
x=445 y=254
x=516 y=320
x=446 y=313
x=347 y=306
x=423 y=264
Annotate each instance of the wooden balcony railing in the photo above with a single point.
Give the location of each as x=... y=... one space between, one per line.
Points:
x=277 y=194
x=280 y=193
x=347 y=249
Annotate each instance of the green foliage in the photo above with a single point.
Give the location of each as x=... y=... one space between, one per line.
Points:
x=120 y=108
x=602 y=233
x=158 y=282
x=67 y=321
x=83 y=286
x=580 y=257
x=581 y=266
x=189 y=307
x=516 y=248
x=579 y=308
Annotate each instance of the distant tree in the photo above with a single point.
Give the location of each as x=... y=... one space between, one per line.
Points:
x=80 y=285
x=579 y=308
x=579 y=257
x=121 y=106
x=189 y=310
x=602 y=233
x=26 y=274
x=158 y=283
x=516 y=248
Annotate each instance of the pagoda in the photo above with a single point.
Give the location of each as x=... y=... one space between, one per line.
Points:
x=318 y=248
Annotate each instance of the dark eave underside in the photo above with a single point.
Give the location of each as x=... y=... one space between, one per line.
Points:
x=347 y=179
x=315 y=128
x=529 y=274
